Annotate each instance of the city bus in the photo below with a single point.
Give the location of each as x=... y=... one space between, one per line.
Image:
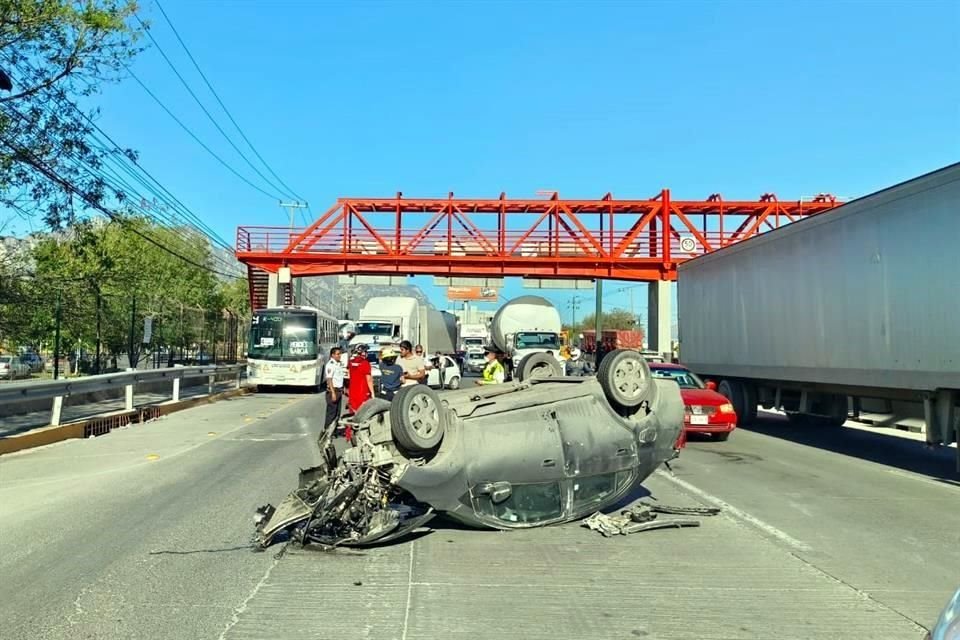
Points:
x=289 y=346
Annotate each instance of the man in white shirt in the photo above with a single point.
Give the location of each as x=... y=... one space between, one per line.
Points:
x=414 y=368
x=333 y=378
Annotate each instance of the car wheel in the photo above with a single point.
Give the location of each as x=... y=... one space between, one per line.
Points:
x=734 y=392
x=370 y=408
x=454 y=383
x=538 y=365
x=721 y=437
x=417 y=418
x=625 y=378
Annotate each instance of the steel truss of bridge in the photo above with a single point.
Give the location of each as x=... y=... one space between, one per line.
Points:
x=550 y=237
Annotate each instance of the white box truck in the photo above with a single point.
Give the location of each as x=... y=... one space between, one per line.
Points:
x=387 y=320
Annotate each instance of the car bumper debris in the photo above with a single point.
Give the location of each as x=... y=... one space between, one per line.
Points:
x=645 y=517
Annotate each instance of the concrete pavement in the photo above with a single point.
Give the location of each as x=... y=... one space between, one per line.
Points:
x=144 y=534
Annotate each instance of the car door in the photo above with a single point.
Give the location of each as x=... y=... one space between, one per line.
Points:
x=600 y=453
x=449 y=368
x=515 y=468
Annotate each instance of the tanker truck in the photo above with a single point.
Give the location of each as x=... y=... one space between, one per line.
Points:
x=527 y=331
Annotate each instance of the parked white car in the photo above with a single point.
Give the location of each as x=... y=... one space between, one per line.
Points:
x=11 y=368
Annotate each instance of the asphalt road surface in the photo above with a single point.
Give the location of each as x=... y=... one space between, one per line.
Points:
x=144 y=533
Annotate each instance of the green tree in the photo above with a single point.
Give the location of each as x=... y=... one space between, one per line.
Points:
x=109 y=277
x=620 y=319
x=55 y=52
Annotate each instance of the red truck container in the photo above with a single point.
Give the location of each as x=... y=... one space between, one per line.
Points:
x=612 y=339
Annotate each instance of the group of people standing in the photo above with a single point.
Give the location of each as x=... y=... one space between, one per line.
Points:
x=395 y=372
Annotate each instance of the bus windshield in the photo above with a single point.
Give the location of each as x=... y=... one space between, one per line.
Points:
x=283 y=335
x=373 y=329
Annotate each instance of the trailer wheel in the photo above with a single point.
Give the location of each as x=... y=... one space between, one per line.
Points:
x=538 y=365
x=624 y=376
x=417 y=418
x=733 y=391
x=839 y=411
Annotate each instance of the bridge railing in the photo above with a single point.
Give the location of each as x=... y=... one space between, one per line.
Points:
x=58 y=390
x=509 y=244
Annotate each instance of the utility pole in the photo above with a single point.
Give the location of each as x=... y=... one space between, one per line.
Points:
x=630 y=289
x=574 y=304
x=56 y=339
x=291 y=207
x=131 y=361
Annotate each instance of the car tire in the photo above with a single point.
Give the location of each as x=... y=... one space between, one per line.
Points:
x=625 y=378
x=370 y=408
x=733 y=391
x=721 y=437
x=536 y=366
x=418 y=420
x=454 y=383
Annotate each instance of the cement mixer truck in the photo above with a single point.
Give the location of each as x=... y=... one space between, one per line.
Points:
x=527 y=331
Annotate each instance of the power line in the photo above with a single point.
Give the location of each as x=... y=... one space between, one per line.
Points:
x=112 y=182
x=203 y=108
x=196 y=139
x=191 y=218
x=52 y=175
x=222 y=105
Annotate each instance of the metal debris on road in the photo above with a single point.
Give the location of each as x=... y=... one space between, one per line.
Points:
x=644 y=517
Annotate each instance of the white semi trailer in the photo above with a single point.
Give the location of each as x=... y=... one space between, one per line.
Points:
x=854 y=306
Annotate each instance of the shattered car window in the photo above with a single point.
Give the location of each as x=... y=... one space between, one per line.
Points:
x=530 y=503
x=593 y=489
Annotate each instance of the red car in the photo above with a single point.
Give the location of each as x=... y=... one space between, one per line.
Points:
x=705 y=410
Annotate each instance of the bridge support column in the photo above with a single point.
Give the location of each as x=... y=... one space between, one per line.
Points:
x=659 y=313
x=274 y=291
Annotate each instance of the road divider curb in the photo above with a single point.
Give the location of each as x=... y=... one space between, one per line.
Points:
x=105 y=423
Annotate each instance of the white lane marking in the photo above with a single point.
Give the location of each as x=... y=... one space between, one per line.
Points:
x=733 y=512
x=406 y=613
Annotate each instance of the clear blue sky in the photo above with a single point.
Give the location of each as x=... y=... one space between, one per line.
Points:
x=478 y=98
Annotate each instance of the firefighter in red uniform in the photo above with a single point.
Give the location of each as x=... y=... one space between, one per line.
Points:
x=361 y=378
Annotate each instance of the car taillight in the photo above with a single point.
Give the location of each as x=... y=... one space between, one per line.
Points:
x=725 y=408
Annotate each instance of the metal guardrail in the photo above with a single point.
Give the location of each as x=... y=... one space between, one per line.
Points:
x=126 y=380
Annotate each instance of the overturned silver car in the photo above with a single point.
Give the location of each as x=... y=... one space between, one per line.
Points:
x=508 y=456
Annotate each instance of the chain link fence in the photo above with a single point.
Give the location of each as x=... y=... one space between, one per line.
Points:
x=79 y=332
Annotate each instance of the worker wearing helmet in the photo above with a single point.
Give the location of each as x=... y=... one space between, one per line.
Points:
x=361 y=378
x=493 y=372
x=576 y=365
x=391 y=373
